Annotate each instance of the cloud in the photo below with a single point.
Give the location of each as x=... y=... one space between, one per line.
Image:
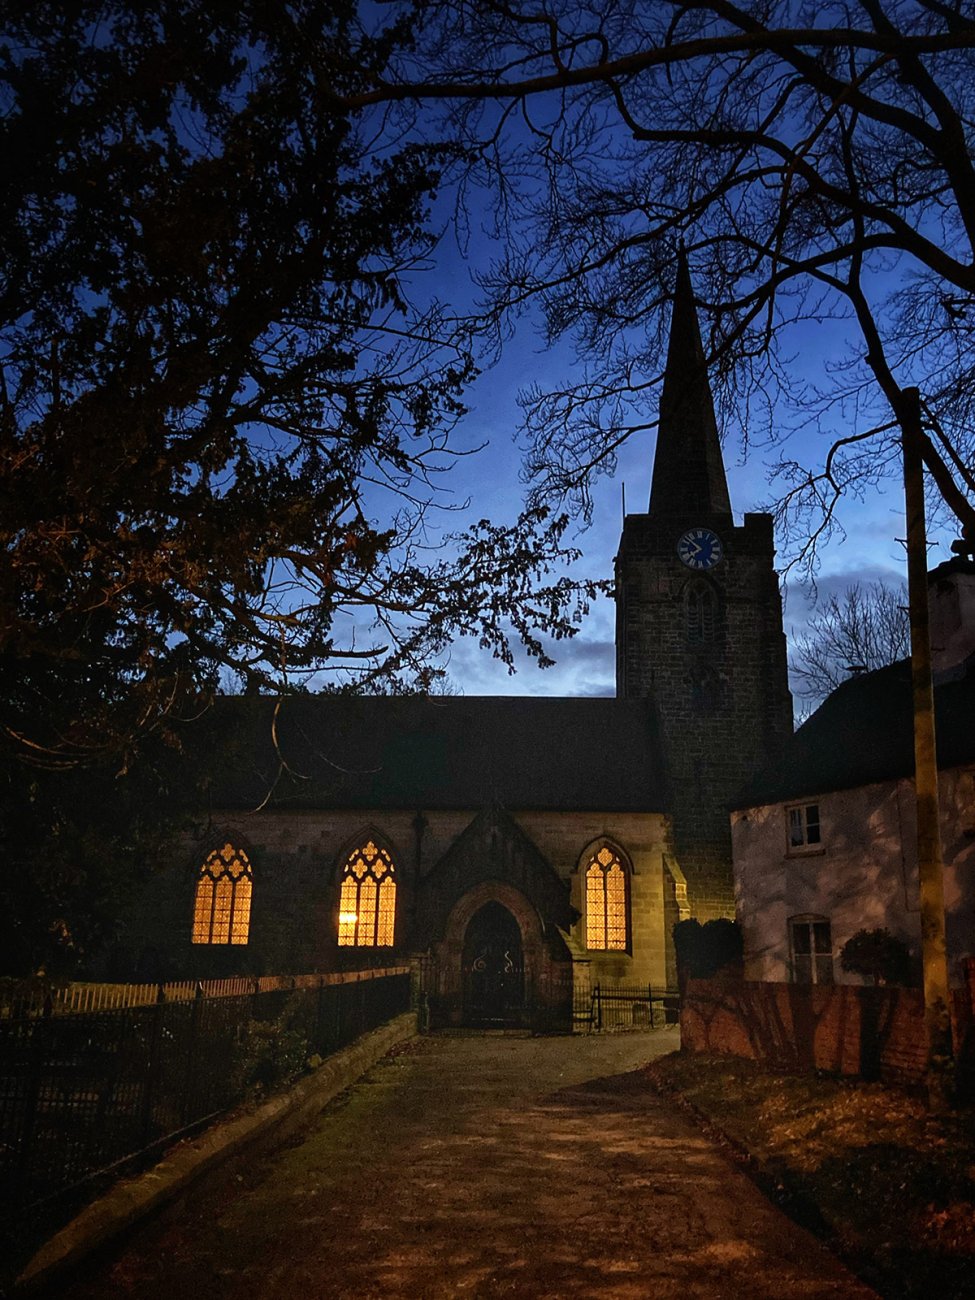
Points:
x=584 y=666
x=798 y=606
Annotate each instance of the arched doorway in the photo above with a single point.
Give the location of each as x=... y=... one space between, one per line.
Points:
x=493 y=968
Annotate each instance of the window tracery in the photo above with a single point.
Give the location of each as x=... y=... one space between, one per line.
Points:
x=607 y=889
x=700 y=612
x=222 y=908
x=367 y=906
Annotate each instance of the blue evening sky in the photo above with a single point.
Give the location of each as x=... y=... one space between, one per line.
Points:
x=586 y=664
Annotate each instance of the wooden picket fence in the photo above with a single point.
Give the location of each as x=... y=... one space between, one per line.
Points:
x=34 y=998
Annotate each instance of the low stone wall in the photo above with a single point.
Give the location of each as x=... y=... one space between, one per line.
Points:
x=846 y=1029
x=131 y=1201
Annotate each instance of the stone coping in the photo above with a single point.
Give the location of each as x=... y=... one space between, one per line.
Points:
x=133 y=1199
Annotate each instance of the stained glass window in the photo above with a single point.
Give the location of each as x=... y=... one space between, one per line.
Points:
x=367 y=906
x=606 y=901
x=222 y=913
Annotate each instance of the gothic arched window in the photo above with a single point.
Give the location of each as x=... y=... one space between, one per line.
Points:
x=222 y=912
x=367 y=907
x=607 y=889
x=700 y=612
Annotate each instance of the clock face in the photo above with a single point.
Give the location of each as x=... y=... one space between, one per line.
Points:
x=700 y=548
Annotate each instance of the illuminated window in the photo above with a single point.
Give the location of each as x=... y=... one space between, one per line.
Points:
x=367 y=908
x=223 y=898
x=606 y=884
x=700 y=612
x=811 y=940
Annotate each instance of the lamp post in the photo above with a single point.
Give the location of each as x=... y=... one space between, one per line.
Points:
x=937 y=1016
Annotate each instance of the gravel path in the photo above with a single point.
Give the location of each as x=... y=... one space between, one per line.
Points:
x=485 y=1166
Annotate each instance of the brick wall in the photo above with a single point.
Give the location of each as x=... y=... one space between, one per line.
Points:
x=873 y=1033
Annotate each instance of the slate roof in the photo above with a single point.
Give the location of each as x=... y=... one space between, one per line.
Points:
x=863 y=733
x=437 y=753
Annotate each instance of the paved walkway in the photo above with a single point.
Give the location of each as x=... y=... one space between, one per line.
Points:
x=485 y=1167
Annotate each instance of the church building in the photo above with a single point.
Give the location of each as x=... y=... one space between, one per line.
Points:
x=515 y=851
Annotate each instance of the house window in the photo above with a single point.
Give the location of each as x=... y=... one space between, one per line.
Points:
x=700 y=612
x=222 y=912
x=367 y=908
x=606 y=901
x=811 y=941
x=804 y=827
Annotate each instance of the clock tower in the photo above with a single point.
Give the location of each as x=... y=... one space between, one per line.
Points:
x=699 y=621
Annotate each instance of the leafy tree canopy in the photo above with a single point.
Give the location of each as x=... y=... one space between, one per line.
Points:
x=78 y=845
x=222 y=414
x=227 y=397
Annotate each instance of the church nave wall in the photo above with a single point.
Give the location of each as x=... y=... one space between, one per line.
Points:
x=296 y=860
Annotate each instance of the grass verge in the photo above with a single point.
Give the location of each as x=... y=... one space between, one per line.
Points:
x=891 y=1187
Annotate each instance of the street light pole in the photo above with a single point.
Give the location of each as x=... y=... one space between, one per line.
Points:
x=934 y=960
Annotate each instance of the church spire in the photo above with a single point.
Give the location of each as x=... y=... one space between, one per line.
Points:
x=688 y=472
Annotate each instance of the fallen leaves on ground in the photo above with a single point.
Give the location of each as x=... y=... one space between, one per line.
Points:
x=894 y=1184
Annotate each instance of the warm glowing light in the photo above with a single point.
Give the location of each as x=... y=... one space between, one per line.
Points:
x=367 y=907
x=222 y=910
x=606 y=886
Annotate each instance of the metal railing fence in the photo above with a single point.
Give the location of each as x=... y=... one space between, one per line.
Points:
x=609 y=1005
x=83 y=1093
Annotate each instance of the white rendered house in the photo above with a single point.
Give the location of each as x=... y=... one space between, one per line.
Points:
x=824 y=843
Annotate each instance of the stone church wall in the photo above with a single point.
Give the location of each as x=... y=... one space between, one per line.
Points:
x=644 y=838
x=721 y=698
x=297 y=857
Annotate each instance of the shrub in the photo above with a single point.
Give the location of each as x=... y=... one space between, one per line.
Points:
x=703 y=950
x=272 y=1049
x=722 y=943
x=687 y=945
x=878 y=955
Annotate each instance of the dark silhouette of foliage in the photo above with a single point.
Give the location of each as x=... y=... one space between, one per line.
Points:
x=703 y=950
x=78 y=846
x=877 y=955
x=222 y=414
x=687 y=946
x=226 y=401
